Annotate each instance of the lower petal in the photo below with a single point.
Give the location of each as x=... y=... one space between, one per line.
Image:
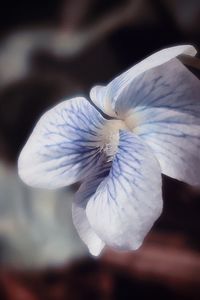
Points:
x=128 y=201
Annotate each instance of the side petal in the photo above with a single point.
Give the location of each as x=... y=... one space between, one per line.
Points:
x=64 y=145
x=104 y=97
x=162 y=106
x=129 y=200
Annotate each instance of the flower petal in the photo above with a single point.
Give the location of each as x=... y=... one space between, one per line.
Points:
x=64 y=145
x=163 y=107
x=86 y=190
x=85 y=231
x=129 y=200
x=104 y=97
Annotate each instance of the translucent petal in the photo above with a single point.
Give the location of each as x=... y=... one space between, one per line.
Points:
x=86 y=233
x=104 y=97
x=87 y=189
x=64 y=145
x=129 y=200
x=163 y=107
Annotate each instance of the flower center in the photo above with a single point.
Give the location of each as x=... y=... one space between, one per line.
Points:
x=110 y=139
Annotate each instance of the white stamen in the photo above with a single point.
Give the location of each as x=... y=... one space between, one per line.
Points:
x=111 y=138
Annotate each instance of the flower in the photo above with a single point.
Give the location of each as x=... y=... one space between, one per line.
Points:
x=143 y=123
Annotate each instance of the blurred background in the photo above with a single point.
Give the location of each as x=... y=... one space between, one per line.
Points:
x=50 y=50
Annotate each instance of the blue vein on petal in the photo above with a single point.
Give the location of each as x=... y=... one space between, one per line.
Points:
x=113 y=181
x=143 y=86
x=81 y=144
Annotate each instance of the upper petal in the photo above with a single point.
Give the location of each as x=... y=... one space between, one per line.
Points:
x=129 y=200
x=64 y=145
x=162 y=106
x=105 y=97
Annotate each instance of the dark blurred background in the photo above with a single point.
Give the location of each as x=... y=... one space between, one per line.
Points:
x=51 y=50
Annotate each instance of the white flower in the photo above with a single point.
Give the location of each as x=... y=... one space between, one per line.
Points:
x=154 y=129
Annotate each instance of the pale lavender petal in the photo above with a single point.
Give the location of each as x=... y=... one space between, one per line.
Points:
x=86 y=190
x=64 y=145
x=162 y=106
x=128 y=200
x=105 y=97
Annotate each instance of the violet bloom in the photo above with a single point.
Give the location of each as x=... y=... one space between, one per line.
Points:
x=153 y=127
